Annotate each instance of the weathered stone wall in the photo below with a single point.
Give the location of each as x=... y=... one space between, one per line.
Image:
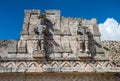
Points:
x=112 y=51
x=59 y=77
x=111 y=45
x=59 y=41
x=55 y=48
x=43 y=66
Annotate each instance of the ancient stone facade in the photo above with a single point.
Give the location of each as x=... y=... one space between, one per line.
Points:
x=55 y=48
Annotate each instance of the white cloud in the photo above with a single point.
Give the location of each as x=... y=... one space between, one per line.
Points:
x=110 y=29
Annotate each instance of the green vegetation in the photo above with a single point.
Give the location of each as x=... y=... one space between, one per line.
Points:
x=107 y=49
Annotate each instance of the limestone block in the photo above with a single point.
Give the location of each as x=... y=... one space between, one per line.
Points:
x=91 y=29
x=94 y=20
x=74 y=44
x=24 y=37
x=31 y=30
x=74 y=56
x=73 y=38
x=51 y=19
x=66 y=44
x=99 y=50
x=69 y=56
x=24 y=32
x=57 y=55
x=21 y=43
x=26 y=22
x=53 y=13
x=83 y=54
x=25 y=29
x=51 y=56
x=12 y=47
x=22 y=50
x=4 y=47
x=57 y=27
x=27 y=19
x=57 y=31
x=34 y=19
x=30 y=46
x=86 y=22
x=95 y=30
x=11 y=55
x=22 y=46
x=57 y=37
x=65 y=30
x=57 y=49
x=65 y=55
x=73 y=27
x=97 y=40
x=38 y=54
x=65 y=27
x=22 y=56
x=57 y=44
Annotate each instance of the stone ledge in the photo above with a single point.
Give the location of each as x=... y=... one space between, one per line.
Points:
x=61 y=70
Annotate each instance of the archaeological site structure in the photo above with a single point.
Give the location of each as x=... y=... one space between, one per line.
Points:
x=56 y=48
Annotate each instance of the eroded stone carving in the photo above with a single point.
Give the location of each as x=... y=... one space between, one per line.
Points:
x=51 y=43
x=83 y=39
x=49 y=34
x=39 y=42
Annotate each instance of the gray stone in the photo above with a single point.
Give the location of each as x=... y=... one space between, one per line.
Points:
x=12 y=47
x=38 y=54
x=34 y=19
x=66 y=31
x=83 y=54
x=22 y=47
x=99 y=50
x=57 y=49
x=96 y=31
x=27 y=19
x=25 y=29
x=57 y=55
x=31 y=30
x=66 y=44
x=22 y=50
x=57 y=32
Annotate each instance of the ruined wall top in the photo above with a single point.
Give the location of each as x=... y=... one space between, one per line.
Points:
x=54 y=37
x=53 y=41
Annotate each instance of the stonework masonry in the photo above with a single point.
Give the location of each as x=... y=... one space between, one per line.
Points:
x=55 y=48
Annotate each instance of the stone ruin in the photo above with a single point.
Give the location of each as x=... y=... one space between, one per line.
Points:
x=55 y=48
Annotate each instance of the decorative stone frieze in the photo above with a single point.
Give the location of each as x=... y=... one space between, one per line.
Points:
x=52 y=46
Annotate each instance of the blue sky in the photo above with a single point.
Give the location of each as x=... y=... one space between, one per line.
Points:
x=12 y=12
